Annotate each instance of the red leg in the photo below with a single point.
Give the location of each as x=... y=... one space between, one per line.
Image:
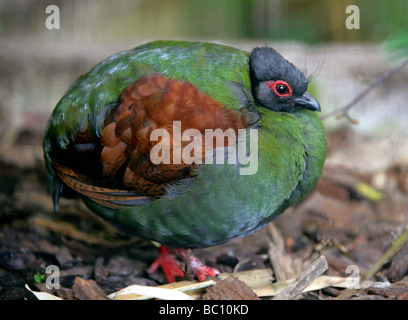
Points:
x=168 y=262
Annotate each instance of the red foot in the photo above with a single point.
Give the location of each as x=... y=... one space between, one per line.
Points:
x=200 y=270
x=170 y=266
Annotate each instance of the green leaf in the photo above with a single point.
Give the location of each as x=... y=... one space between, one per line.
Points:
x=39 y=278
x=397 y=46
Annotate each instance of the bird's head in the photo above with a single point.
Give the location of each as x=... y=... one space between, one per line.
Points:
x=277 y=84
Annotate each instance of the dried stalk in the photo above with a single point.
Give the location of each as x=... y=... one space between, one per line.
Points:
x=344 y=110
x=303 y=280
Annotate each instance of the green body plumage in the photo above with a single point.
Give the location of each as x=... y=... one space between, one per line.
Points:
x=220 y=204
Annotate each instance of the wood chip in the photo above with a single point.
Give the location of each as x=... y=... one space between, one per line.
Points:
x=388 y=290
x=303 y=280
x=88 y=290
x=230 y=288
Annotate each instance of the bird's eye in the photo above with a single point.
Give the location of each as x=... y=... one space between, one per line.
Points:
x=281 y=88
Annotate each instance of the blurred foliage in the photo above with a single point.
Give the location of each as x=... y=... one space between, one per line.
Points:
x=398 y=46
x=305 y=20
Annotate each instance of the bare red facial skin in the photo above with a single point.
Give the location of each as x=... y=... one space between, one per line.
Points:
x=280 y=88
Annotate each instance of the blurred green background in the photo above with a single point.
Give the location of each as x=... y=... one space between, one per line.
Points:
x=310 y=21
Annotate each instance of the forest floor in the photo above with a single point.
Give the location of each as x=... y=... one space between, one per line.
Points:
x=356 y=220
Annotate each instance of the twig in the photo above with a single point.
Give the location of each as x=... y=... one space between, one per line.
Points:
x=282 y=264
x=303 y=280
x=396 y=246
x=379 y=80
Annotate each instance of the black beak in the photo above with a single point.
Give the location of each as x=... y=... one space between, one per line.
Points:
x=307 y=101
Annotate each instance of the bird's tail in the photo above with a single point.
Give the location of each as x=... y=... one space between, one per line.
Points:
x=111 y=198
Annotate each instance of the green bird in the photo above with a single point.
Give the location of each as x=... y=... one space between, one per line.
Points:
x=188 y=144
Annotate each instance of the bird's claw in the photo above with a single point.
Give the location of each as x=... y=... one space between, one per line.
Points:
x=200 y=270
x=170 y=266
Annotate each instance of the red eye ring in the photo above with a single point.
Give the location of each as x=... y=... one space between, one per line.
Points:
x=276 y=87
